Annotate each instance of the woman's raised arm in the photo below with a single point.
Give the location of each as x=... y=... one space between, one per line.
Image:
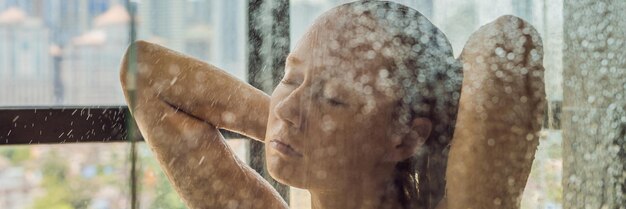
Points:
x=201 y=89
x=500 y=114
x=178 y=103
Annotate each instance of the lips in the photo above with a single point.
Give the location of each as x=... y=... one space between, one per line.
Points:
x=284 y=148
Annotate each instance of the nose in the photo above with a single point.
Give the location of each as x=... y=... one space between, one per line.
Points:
x=291 y=109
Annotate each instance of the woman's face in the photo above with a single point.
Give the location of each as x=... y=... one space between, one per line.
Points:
x=331 y=116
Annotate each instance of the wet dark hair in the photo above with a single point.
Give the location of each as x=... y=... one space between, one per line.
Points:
x=430 y=79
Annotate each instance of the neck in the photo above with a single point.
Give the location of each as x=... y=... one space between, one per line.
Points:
x=362 y=192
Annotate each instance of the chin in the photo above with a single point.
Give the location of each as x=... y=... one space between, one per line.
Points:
x=284 y=171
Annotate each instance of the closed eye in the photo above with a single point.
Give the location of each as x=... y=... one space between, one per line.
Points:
x=335 y=102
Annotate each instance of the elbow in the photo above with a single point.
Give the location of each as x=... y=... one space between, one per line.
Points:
x=128 y=66
x=129 y=78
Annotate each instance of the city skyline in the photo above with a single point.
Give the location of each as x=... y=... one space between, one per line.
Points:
x=71 y=50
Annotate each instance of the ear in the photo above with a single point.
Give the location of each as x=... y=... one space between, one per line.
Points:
x=406 y=145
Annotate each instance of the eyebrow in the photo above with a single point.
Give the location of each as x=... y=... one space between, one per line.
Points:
x=293 y=60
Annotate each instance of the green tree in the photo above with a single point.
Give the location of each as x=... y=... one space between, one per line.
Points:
x=16 y=154
x=61 y=191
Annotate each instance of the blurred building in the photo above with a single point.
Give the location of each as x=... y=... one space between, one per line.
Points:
x=34 y=33
x=198 y=42
x=230 y=36
x=70 y=50
x=163 y=19
x=91 y=61
x=307 y=12
x=24 y=58
x=65 y=18
x=199 y=37
x=213 y=31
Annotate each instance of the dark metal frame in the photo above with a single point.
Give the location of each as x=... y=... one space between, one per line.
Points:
x=57 y=125
x=268 y=46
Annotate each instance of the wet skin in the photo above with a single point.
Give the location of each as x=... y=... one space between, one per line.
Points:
x=323 y=135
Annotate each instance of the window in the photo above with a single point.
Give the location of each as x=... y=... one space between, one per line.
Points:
x=62 y=58
x=65 y=55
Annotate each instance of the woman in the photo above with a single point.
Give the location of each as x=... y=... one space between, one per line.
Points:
x=369 y=91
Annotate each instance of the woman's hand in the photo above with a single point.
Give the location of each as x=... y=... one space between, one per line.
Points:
x=500 y=114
